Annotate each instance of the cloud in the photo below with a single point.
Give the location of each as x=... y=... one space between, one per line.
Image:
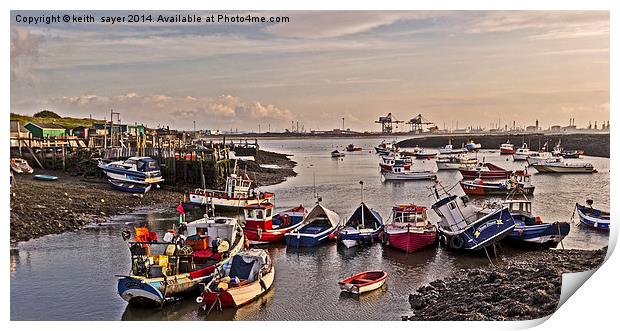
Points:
x=216 y=112
x=24 y=50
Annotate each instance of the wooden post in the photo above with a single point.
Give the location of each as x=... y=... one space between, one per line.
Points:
x=64 y=158
x=34 y=157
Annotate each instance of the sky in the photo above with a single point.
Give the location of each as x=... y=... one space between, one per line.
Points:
x=465 y=68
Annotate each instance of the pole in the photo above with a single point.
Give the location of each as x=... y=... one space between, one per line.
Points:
x=362 y=185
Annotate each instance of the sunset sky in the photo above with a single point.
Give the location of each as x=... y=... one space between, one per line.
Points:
x=474 y=67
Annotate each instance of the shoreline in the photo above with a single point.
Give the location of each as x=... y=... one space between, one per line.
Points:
x=525 y=287
x=40 y=208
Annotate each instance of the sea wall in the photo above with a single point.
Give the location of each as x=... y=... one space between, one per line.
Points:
x=594 y=144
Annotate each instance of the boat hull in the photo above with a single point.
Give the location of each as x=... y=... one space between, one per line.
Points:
x=507 y=151
x=298 y=239
x=129 y=187
x=223 y=202
x=155 y=292
x=410 y=241
x=239 y=296
x=358 y=284
x=423 y=175
x=388 y=167
x=545 y=235
x=491 y=189
x=486 y=231
x=547 y=168
x=352 y=238
x=588 y=219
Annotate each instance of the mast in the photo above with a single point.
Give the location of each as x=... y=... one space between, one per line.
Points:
x=362 y=189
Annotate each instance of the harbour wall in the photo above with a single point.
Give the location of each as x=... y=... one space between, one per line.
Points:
x=593 y=144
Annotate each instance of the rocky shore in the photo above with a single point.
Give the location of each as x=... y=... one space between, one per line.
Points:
x=40 y=208
x=525 y=287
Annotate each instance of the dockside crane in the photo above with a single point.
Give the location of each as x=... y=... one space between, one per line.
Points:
x=387 y=122
x=417 y=122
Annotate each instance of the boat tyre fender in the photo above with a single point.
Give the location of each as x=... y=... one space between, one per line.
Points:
x=384 y=238
x=456 y=242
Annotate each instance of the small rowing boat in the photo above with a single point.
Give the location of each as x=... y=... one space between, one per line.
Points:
x=592 y=217
x=363 y=282
x=337 y=153
x=21 y=166
x=353 y=148
x=45 y=177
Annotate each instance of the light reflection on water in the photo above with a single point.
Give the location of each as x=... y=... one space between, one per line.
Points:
x=71 y=276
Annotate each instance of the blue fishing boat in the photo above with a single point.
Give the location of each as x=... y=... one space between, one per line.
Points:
x=531 y=230
x=129 y=187
x=141 y=170
x=317 y=228
x=465 y=226
x=592 y=217
x=363 y=227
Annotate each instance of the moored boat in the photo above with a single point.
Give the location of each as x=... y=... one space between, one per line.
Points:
x=592 y=217
x=390 y=161
x=541 y=157
x=363 y=227
x=507 y=148
x=472 y=146
x=166 y=271
x=485 y=171
x=521 y=182
x=424 y=154
x=449 y=149
x=238 y=193
x=353 y=148
x=399 y=173
x=140 y=170
x=455 y=162
x=464 y=226
x=21 y=166
x=243 y=279
x=385 y=148
x=564 y=167
x=318 y=227
x=337 y=153
x=262 y=228
x=530 y=230
x=409 y=229
x=363 y=282
x=47 y=178
x=129 y=187
x=522 y=153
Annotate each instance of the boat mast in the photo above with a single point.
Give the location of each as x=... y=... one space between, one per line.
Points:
x=362 y=186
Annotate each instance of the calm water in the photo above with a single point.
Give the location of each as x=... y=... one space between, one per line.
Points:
x=71 y=276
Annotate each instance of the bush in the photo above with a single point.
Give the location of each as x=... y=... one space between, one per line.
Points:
x=46 y=114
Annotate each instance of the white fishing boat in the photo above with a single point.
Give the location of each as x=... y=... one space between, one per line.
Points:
x=140 y=170
x=455 y=162
x=472 y=146
x=337 y=153
x=449 y=149
x=538 y=157
x=564 y=167
x=399 y=173
x=237 y=194
x=522 y=153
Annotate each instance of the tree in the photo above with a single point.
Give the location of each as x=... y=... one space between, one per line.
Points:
x=46 y=114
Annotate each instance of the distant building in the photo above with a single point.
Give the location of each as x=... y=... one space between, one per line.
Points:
x=531 y=128
x=45 y=130
x=19 y=131
x=556 y=128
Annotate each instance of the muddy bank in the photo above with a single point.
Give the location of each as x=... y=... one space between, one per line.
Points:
x=592 y=144
x=524 y=287
x=40 y=208
x=275 y=168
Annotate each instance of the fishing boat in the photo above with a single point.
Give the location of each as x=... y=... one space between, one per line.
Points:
x=530 y=230
x=564 y=167
x=243 y=279
x=485 y=171
x=318 y=227
x=507 y=148
x=409 y=229
x=449 y=149
x=390 y=161
x=385 y=148
x=363 y=282
x=522 y=153
x=238 y=193
x=454 y=162
x=592 y=217
x=47 y=178
x=263 y=228
x=540 y=157
x=353 y=148
x=472 y=146
x=21 y=166
x=411 y=152
x=140 y=170
x=337 y=153
x=572 y=154
x=464 y=226
x=129 y=187
x=399 y=173
x=363 y=227
x=424 y=154
x=164 y=271
x=484 y=187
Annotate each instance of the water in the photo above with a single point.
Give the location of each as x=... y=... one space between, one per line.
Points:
x=71 y=276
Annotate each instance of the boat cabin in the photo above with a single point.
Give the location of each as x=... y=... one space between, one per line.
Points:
x=212 y=228
x=237 y=186
x=259 y=216
x=455 y=213
x=409 y=215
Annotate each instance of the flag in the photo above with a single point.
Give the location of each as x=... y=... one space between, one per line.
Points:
x=180 y=209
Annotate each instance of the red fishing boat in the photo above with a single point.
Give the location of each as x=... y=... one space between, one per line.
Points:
x=409 y=229
x=507 y=148
x=485 y=171
x=263 y=228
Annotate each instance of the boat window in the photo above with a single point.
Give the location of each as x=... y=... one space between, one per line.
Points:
x=259 y=214
x=452 y=205
x=250 y=213
x=268 y=213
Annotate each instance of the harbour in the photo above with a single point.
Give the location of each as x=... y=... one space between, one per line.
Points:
x=46 y=261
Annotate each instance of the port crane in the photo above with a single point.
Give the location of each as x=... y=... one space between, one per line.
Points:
x=417 y=122
x=387 y=122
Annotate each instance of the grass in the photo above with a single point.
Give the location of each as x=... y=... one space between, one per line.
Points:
x=65 y=122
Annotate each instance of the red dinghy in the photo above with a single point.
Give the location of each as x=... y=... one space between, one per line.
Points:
x=363 y=282
x=485 y=171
